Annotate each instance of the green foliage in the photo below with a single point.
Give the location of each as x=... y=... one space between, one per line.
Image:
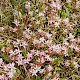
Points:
x=68 y=5
x=12 y=79
x=62 y=78
x=2 y=44
x=36 y=77
x=63 y=14
x=5 y=57
x=56 y=61
x=40 y=6
x=22 y=78
x=78 y=79
x=24 y=52
x=57 y=69
x=18 y=72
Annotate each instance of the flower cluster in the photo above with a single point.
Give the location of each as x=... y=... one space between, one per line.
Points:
x=41 y=41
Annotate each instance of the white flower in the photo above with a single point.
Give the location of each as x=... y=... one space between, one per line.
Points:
x=53 y=4
x=3 y=49
x=58 y=6
x=40 y=30
x=35 y=70
x=41 y=60
x=10 y=74
x=65 y=50
x=5 y=68
x=1 y=60
x=1 y=28
x=26 y=35
x=15 y=43
x=20 y=15
x=41 y=14
x=33 y=18
x=48 y=35
x=3 y=77
x=42 y=39
x=57 y=48
x=28 y=60
x=37 y=53
x=27 y=6
x=50 y=21
x=65 y=42
x=65 y=31
x=48 y=58
x=20 y=57
x=11 y=67
x=36 y=10
x=15 y=12
x=48 y=75
x=48 y=42
x=38 y=22
x=25 y=61
x=8 y=41
x=19 y=62
x=23 y=43
x=36 y=41
x=31 y=13
x=77 y=4
x=42 y=53
x=49 y=68
x=69 y=1
x=75 y=64
x=67 y=63
x=57 y=24
x=29 y=55
x=17 y=51
x=27 y=30
x=72 y=46
x=55 y=79
x=11 y=53
x=42 y=71
x=71 y=36
x=77 y=49
x=66 y=21
x=32 y=51
x=16 y=22
x=40 y=0
x=15 y=29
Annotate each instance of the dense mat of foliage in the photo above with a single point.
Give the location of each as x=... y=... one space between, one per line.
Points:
x=39 y=39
